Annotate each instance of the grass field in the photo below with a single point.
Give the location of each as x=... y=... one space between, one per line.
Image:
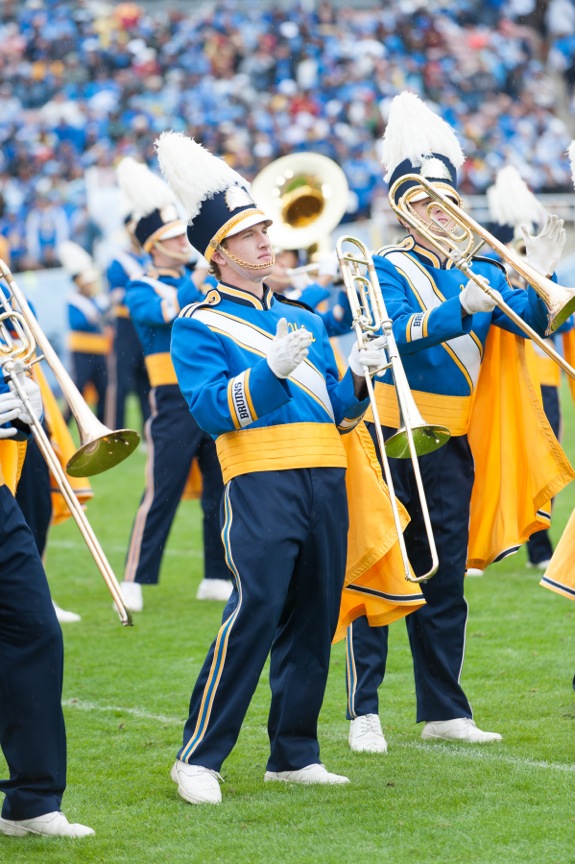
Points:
x=126 y=696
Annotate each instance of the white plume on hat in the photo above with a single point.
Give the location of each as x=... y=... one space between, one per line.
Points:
x=511 y=202
x=193 y=172
x=571 y=155
x=414 y=132
x=144 y=190
x=74 y=258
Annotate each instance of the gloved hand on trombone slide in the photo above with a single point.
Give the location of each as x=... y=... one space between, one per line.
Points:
x=12 y=407
x=543 y=251
x=372 y=358
x=474 y=299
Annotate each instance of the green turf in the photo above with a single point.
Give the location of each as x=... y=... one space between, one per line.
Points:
x=126 y=695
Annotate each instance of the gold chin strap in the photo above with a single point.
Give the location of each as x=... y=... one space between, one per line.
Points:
x=245 y=264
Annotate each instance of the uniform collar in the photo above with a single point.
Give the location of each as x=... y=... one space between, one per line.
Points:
x=427 y=256
x=172 y=272
x=246 y=298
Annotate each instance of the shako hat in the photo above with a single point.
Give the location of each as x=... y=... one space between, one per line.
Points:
x=77 y=263
x=511 y=204
x=418 y=141
x=216 y=199
x=152 y=203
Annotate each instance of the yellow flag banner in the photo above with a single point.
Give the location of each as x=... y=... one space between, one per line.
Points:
x=560 y=574
x=63 y=446
x=375 y=584
x=12 y=454
x=519 y=464
x=568 y=341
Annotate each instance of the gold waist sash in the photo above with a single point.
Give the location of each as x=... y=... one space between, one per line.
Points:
x=278 y=448
x=160 y=369
x=88 y=343
x=450 y=411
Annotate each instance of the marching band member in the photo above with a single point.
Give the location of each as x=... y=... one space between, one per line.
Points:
x=174 y=437
x=337 y=318
x=516 y=217
x=127 y=367
x=89 y=341
x=31 y=656
x=259 y=375
x=441 y=323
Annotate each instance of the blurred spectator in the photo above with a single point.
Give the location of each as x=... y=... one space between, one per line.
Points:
x=87 y=83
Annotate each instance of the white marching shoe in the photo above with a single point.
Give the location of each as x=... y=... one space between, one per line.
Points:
x=65 y=617
x=196 y=784
x=461 y=729
x=366 y=736
x=214 y=589
x=133 y=597
x=316 y=773
x=474 y=571
x=52 y=824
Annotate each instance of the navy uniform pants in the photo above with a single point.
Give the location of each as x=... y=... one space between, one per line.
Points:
x=539 y=546
x=174 y=439
x=437 y=630
x=34 y=496
x=285 y=534
x=91 y=369
x=127 y=374
x=32 y=733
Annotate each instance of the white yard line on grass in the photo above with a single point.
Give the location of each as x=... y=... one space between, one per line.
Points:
x=487 y=752
x=71 y=544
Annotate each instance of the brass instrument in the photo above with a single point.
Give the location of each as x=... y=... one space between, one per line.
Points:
x=459 y=246
x=18 y=357
x=414 y=438
x=100 y=448
x=305 y=194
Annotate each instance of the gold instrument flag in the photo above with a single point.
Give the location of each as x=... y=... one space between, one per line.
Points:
x=519 y=464
x=64 y=448
x=12 y=454
x=560 y=575
x=375 y=585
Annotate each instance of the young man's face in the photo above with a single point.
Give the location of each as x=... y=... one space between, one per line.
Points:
x=441 y=222
x=253 y=247
x=174 y=249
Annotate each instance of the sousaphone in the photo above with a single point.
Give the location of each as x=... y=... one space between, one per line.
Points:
x=306 y=195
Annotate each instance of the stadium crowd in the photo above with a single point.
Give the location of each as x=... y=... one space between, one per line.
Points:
x=83 y=84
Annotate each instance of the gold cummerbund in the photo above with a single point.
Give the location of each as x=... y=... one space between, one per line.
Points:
x=549 y=371
x=121 y=312
x=160 y=369
x=278 y=448
x=436 y=410
x=88 y=343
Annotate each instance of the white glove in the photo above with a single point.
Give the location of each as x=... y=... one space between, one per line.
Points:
x=288 y=349
x=328 y=265
x=543 y=251
x=474 y=299
x=10 y=405
x=34 y=395
x=370 y=359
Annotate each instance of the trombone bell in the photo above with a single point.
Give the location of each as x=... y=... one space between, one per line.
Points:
x=426 y=439
x=103 y=453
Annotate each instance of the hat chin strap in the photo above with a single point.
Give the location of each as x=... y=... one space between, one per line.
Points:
x=252 y=272
x=180 y=257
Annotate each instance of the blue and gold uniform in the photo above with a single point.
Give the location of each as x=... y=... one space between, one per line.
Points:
x=31 y=661
x=174 y=437
x=127 y=373
x=89 y=345
x=284 y=517
x=441 y=352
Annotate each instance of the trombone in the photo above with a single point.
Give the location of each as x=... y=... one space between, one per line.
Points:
x=18 y=358
x=459 y=246
x=100 y=448
x=414 y=438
